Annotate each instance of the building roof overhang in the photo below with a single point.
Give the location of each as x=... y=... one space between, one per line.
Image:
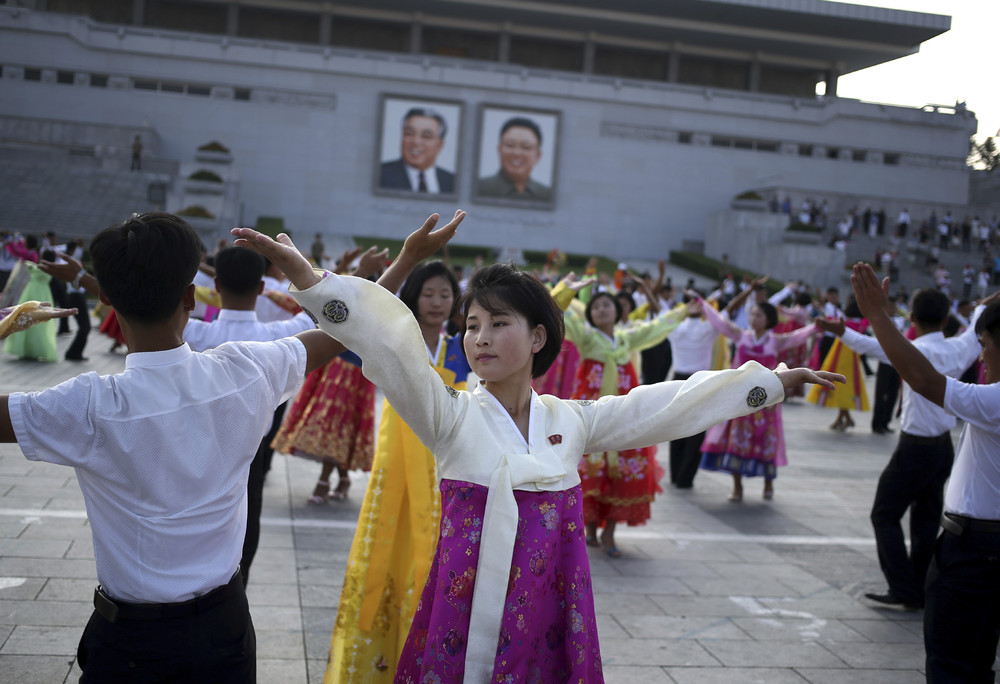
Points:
x=852 y=37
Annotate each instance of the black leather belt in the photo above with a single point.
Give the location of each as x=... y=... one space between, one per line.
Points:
x=114 y=610
x=957 y=524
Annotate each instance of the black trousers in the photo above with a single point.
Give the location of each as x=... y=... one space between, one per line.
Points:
x=215 y=645
x=685 y=454
x=962 y=612
x=886 y=393
x=59 y=298
x=656 y=362
x=78 y=300
x=913 y=479
x=825 y=342
x=255 y=492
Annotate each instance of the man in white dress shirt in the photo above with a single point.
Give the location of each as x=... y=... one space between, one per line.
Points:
x=162 y=451
x=915 y=475
x=962 y=617
x=691 y=342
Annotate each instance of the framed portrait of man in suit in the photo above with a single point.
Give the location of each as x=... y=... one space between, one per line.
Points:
x=516 y=160
x=418 y=147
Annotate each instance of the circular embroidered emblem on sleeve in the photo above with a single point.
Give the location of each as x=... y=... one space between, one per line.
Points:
x=756 y=397
x=335 y=311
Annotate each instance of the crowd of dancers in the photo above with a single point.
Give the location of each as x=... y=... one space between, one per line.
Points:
x=520 y=423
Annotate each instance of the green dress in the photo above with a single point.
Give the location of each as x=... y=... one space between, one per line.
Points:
x=39 y=341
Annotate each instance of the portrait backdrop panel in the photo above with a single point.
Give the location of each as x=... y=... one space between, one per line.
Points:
x=516 y=157
x=418 y=147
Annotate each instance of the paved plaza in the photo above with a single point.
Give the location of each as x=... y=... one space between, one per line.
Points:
x=707 y=592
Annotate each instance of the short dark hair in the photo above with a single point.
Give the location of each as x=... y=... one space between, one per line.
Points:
x=239 y=270
x=624 y=296
x=503 y=287
x=427 y=111
x=989 y=323
x=930 y=308
x=522 y=122
x=597 y=296
x=414 y=285
x=144 y=265
x=770 y=313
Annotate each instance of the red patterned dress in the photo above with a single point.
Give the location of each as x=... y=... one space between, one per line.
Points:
x=333 y=417
x=617 y=485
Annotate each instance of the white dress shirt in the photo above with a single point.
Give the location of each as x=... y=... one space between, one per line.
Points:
x=268 y=310
x=241 y=326
x=950 y=356
x=474 y=439
x=691 y=345
x=974 y=487
x=162 y=452
x=430 y=179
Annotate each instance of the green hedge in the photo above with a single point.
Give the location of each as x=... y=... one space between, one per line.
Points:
x=205 y=175
x=214 y=147
x=195 y=211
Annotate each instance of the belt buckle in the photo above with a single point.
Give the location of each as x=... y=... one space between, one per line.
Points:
x=949 y=524
x=107 y=608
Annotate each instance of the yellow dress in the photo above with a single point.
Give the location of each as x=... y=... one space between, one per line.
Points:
x=849 y=395
x=393 y=545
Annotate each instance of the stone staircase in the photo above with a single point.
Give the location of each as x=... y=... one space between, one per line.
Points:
x=67 y=191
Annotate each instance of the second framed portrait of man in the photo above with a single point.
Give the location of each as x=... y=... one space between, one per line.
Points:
x=418 y=147
x=516 y=162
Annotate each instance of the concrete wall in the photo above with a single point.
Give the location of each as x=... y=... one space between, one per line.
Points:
x=758 y=240
x=637 y=173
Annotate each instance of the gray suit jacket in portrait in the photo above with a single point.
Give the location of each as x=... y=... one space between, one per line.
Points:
x=498 y=185
x=392 y=176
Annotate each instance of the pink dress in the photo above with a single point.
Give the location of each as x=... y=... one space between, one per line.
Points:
x=549 y=628
x=755 y=444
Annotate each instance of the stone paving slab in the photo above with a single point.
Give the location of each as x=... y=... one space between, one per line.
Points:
x=708 y=591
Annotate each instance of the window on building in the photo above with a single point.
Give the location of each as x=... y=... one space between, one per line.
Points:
x=108 y=11
x=645 y=64
x=805 y=150
x=370 y=35
x=546 y=54
x=65 y=77
x=890 y=159
x=202 y=90
x=170 y=87
x=715 y=73
x=768 y=146
x=781 y=80
x=455 y=43
x=270 y=24
x=721 y=141
x=180 y=15
x=833 y=153
x=32 y=74
x=142 y=84
x=859 y=155
x=242 y=94
x=685 y=137
x=99 y=80
x=743 y=144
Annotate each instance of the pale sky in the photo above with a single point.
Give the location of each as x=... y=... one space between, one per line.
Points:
x=959 y=65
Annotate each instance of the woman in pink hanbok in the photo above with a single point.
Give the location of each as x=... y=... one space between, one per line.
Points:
x=752 y=445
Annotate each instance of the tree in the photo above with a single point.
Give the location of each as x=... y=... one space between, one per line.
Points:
x=984 y=155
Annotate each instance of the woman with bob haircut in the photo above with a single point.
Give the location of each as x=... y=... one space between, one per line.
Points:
x=509 y=595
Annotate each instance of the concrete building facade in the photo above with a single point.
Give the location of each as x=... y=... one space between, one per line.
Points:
x=658 y=116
